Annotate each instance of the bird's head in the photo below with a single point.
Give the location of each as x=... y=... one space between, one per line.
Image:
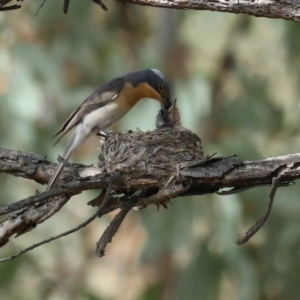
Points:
x=151 y=83
x=169 y=118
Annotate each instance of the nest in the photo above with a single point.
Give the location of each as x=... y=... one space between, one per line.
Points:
x=155 y=154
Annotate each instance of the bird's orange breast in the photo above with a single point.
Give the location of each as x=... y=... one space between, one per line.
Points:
x=131 y=95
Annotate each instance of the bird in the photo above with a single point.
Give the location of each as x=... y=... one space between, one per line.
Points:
x=169 y=117
x=108 y=104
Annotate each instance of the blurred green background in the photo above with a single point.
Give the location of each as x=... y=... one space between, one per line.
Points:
x=237 y=83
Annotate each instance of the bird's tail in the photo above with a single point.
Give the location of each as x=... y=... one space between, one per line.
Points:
x=78 y=137
x=59 y=168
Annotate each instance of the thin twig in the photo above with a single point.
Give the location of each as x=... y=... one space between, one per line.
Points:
x=108 y=191
x=169 y=181
x=4 y=2
x=259 y=223
x=50 y=239
x=111 y=230
x=70 y=189
x=66 y=6
x=40 y=7
x=12 y=7
x=38 y=198
x=245 y=188
x=101 y=4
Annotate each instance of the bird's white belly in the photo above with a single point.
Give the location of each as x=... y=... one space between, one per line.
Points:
x=103 y=117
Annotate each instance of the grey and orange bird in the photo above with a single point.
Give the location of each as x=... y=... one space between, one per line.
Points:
x=108 y=104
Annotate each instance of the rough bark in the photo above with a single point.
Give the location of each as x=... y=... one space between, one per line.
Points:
x=278 y=9
x=159 y=165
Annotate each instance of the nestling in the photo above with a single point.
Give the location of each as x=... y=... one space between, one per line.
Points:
x=169 y=118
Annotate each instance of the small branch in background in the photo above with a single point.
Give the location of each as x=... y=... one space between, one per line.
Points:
x=6 y=8
x=12 y=7
x=40 y=7
x=101 y=4
x=98 y=2
x=66 y=6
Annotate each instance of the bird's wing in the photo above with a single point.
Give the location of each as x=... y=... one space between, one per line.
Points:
x=99 y=98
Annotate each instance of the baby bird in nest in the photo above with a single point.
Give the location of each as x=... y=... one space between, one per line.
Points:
x=169 y=118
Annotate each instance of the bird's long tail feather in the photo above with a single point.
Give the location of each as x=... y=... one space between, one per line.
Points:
x=78 y=137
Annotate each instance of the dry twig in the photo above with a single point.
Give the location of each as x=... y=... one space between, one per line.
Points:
x=259 y=223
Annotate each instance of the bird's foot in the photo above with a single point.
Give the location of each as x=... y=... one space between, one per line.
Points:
x=103 y=134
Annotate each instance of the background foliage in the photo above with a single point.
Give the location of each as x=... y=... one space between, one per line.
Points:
x=237 y=83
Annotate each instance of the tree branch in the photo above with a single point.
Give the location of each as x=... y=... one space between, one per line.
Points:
x=278 y=9
x=149 y=167
x=11 y=7
x=88 y=221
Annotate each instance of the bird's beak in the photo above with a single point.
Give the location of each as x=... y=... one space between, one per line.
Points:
x=166 y=103
x=172 y=105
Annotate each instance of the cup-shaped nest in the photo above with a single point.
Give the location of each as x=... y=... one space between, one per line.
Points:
x=155 y=154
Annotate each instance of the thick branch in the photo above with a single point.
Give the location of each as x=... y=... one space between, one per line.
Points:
x=160 y=165
x=216 y=174
x=278 y=9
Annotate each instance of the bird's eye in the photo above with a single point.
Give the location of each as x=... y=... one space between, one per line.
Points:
x=161 y=88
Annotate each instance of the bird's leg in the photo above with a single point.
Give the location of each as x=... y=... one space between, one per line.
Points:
x=104 y=134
